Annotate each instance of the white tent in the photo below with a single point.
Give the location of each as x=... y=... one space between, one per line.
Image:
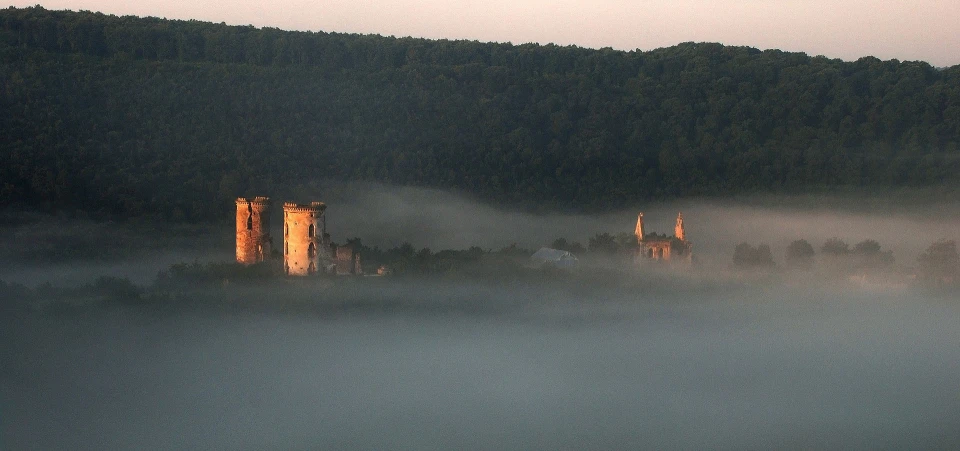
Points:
x=555 y=257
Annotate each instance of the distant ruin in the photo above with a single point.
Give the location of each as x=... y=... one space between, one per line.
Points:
x=306 y=244
x=253 y=230
x=307 y=248
x=654 y=247
x=348 y=261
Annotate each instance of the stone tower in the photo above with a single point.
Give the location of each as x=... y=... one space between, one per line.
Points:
x=639 y=231
x=679 y=231
x=253 y=230
x=305 y=248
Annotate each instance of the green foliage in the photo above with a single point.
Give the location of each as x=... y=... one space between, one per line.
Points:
x=868 y=256
x=217 y=273
x=603 y=243
x=405 y=259
x=865 y=257
x=835 y=247
x=800 y=254
x=173 y=119
x=867 y=248
x=940 y=263
x=563 y=245
x=746 y=256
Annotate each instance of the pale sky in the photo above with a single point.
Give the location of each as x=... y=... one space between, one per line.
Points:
x=906 y=30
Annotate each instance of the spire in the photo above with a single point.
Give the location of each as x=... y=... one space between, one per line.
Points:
x=679 y=230
x=639 y=231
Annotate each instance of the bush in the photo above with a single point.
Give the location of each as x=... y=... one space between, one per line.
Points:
x=940 y=264
x=800 y=255
x=746 y=256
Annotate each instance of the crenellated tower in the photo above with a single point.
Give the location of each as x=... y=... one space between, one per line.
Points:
x=306 y=248
x=253 y=230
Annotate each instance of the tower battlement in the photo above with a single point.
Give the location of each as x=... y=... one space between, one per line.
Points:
x=253 y=230
x=306 y=249
x=259 y=200
x=313 y=207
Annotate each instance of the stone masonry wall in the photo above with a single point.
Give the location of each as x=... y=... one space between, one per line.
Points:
x=253 y=230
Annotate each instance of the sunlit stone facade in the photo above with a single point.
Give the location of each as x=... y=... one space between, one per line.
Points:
x=253 y=230
x=306 y=250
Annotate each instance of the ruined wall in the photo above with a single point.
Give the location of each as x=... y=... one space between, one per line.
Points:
x=348 y=261
x=662 y=248
x=305 y=248
x=656 y=250
x=253 y=230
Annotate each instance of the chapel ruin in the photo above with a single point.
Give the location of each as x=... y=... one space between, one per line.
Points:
x=654 y=247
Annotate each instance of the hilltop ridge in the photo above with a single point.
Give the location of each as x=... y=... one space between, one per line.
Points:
x=131 y=117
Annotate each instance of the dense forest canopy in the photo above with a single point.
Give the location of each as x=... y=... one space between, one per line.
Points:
x=146 y=117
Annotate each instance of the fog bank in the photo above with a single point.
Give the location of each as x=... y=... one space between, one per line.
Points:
x=741 y=369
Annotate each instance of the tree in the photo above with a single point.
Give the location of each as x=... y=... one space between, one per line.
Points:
x=746 y=256
x=868 y=255
x=563 y=245
x=940 y=264
x=536 y=127
x=800 y=254
x=603 y=243
x=867 y=247
x=835 y=247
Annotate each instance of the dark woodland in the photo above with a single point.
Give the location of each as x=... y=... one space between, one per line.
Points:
x=143 y=117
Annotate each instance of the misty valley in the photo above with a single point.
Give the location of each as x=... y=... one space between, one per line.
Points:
x=481 y=347
x=234 y=237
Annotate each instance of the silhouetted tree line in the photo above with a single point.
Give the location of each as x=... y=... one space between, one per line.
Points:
x=746 y=256
x=939 y=263
x=147 y=117
x=800 y=254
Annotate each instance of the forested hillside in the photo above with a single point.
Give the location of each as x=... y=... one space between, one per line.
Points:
x=146 y=117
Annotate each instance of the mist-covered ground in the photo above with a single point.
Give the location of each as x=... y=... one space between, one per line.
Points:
x=464 y=365
x=603 y=358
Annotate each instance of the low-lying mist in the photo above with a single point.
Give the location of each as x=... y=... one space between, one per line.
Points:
x=905 y=223
x=606 y=356
x=40 y=249
x=414 y=364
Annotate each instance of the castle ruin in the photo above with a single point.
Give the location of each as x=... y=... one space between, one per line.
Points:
x=253 y=230
x=347 y=261
x=306 y=245
x=654 y=247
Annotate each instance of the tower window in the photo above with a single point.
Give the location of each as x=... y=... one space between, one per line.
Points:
x=311 y=231
x=250 y=222
x=286 y=229
x=311 y=251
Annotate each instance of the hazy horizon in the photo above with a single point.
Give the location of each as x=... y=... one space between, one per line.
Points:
x=387 y=216
x=849 y=29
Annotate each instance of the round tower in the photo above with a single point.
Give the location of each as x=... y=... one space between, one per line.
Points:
x=304 y=246
x=253 y=230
